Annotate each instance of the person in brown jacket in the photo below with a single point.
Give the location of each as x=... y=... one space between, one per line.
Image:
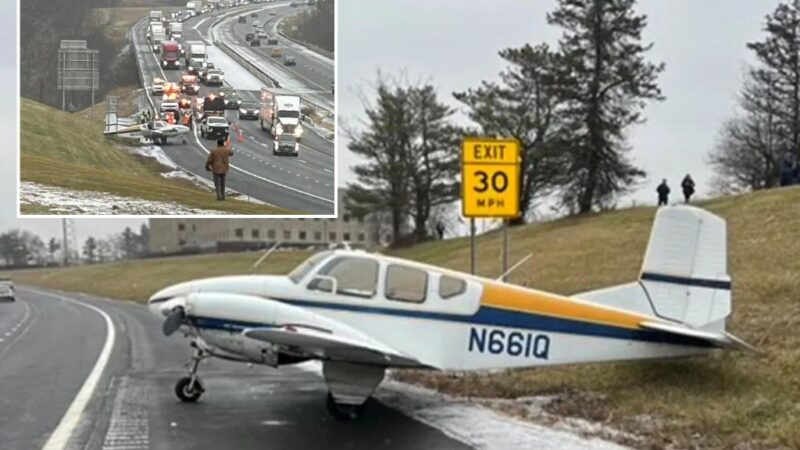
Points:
x=217 y=163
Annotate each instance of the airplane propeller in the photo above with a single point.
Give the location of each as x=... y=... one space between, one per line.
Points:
x=173 y=320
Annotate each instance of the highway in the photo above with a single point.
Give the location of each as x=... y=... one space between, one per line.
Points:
x=51 y=342
x=304 y=184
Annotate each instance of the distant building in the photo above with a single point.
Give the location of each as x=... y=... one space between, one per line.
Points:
x=170 y=236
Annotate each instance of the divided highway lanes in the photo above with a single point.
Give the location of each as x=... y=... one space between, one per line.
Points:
x=133 y=406
x=304 y=184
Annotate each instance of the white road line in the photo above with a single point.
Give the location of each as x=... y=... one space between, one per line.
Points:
x=60 y=437
x=28 y=308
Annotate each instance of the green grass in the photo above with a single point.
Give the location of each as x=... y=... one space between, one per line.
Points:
x=729 y=400
x=66 y=150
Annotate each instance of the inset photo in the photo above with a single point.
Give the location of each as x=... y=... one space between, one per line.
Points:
x=156 y=108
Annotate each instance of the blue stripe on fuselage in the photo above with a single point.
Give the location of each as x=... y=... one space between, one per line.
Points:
x=486 y=315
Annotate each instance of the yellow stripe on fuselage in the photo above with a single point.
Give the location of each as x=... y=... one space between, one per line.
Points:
x=501 y=296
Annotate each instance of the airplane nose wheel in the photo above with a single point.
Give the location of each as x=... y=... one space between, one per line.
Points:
x=343 y=412
x=190 y=388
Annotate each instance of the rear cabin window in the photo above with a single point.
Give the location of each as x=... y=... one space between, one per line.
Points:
x=450 y=287
x=406 y=284
x=354 y=276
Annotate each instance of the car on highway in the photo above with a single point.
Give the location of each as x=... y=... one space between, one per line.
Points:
x=249 y=37
x=254 y=14
x=170 y=103
x=273 y=13
x=289 y=61
x=214 y=77
x=276 y=53
x=214 y=127
x=256 y=24
x=158 y=86
x=262 y=35
x=286 y=144
x=203 y=70
x=232 y=99
x=7 y=292
x=242 y=19
x=255 y=42
x=249 y=110
x=272 y=41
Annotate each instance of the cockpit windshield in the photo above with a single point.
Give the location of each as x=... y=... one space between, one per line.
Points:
x=306 y=266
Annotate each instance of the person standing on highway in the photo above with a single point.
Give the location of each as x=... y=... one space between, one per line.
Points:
x=217 y=164
x=688 y=187
x=663 y=193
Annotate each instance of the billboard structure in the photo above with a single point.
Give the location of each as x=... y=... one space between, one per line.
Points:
x=77 y=69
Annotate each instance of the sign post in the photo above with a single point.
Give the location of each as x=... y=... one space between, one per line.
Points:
x=490 y=185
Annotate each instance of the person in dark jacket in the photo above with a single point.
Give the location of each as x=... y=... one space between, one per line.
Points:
x=688 y=187
x=663 y=193
x=217 y=163
x=789 y=169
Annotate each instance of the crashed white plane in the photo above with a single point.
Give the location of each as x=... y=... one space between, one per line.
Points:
x=157 y=131
x=361 y=313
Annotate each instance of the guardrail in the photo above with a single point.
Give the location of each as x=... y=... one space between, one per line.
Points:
x=309 y=45
x=135 y=48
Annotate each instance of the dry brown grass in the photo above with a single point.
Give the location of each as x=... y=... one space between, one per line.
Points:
x=730 y=400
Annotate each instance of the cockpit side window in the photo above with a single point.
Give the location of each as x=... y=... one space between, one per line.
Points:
x=299 y=272
x=354 y=276
x=406 y=284
x=450 y=287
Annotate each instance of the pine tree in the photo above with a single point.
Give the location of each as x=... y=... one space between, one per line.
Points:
x=524 y=106
x=607 y=83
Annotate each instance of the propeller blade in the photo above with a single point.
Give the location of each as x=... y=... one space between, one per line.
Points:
x=173 y=321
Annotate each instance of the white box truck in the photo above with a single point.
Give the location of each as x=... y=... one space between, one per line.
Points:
x=280 y=112
x=195 y=54
x=156 y=16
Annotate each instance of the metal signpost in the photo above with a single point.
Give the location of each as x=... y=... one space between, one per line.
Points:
x=490 y=185
x=77 y=70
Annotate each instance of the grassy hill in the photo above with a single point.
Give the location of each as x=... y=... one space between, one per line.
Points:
x=66 y=150
x=730 y=400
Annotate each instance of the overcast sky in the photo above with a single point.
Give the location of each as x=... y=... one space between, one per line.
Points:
x=454 y=44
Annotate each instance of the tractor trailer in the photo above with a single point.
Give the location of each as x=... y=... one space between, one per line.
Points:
x=170 y=55
x=280 y=112
x=195 y=53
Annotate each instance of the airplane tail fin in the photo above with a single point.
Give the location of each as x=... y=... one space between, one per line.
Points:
x=685 y=269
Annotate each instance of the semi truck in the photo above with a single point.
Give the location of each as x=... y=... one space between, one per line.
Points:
x=170 y=55
x=194 y=7
x=175 y=31
x=280 y=112
x=156 y=16
x=195 y=53
x=158 y=39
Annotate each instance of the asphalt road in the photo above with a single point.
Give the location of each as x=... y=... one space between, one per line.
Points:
x=53 y=344
x=304 y=184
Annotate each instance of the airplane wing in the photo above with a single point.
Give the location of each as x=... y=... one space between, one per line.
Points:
x=716 y=339
x=319 y=344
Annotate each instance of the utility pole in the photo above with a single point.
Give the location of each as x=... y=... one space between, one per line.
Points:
x=64 y=242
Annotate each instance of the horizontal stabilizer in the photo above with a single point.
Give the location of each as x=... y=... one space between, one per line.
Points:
x=717 y=339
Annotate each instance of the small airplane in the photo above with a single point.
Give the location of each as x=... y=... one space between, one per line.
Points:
x=361 y=313
x=156 y=131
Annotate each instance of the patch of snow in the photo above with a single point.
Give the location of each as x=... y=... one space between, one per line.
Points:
x=71 y=201
x=477 y=425
x=157 y=153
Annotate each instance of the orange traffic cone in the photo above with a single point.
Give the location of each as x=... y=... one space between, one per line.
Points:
x=240 y=137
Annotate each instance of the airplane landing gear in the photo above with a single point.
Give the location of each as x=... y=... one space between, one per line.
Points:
x=190 y=388
x=343 y=412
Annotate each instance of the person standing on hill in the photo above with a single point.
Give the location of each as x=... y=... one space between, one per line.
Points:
x=688 y=187
x=663 y=193
x=789 y=169
x=217 y=163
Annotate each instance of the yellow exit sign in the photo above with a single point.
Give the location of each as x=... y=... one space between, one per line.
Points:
x=490 y=177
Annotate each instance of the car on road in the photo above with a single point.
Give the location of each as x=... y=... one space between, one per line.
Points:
x=214 y=77
x=286 y=144
x=255 y=42
x=253 y=14
x=272 y=41
x=232 y=99
x=262 y=35
x=158 y=86
x=276 y=53
x=256 y=24
x=249 y=110
x=203 y=70
x=332 y=87
x=249 y=37
x=289 y=61
x=242 y=19
x=7 y=292
x=214 y=127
